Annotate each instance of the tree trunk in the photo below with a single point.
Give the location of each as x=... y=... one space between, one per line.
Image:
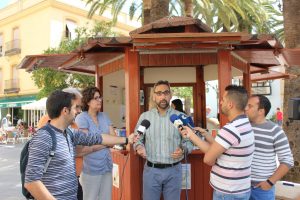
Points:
x=146 y=11
x=159 y=9
x=291 y=13
x=188 y=8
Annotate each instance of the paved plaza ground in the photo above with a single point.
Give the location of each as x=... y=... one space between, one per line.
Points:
x=10 y=183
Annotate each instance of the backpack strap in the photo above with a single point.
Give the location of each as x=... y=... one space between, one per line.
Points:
x=70 y=133
x=52 y=151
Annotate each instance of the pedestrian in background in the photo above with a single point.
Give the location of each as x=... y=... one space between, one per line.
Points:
x=279 y=117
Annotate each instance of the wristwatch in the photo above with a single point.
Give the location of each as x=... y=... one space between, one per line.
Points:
x=270 y=182
x=126 y=141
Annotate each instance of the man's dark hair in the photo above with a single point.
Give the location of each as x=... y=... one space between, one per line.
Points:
x=87 y=95
x=239 y=95
x=264 y=103
x=57 y=101
x=161 y=82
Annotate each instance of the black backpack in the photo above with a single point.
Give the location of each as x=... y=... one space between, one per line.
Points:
x=24 y=159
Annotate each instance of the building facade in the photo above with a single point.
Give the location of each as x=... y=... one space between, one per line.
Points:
x=30 y=27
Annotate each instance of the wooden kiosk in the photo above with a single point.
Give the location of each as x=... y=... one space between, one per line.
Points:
x=181 y=50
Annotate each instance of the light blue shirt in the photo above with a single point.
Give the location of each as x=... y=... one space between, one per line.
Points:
x=161 y=139
x=99 y=162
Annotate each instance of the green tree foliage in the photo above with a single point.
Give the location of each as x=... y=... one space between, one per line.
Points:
x=48 y=79
x=183 y=92
x=252 y=16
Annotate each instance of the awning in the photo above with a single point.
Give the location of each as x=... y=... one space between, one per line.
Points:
x=16 y=101
x=36 y=105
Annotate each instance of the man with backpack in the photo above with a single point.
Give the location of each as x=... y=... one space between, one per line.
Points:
x=56 y=178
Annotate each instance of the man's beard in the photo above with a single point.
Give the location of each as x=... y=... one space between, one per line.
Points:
x=224 y=110
x=163 y=104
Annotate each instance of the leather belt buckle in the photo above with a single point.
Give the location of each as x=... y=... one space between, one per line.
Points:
x=161 y=165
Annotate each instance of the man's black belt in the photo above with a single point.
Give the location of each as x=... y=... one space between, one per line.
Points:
x=161 y=165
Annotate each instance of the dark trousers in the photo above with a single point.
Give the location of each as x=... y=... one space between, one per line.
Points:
x=79 y=190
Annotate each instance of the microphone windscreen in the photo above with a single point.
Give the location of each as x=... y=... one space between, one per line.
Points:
x=146 y=123
x=176 y=121
x=143 y=126
x=190 y=121
x=183 y=118
x=173 y=118
x=186 y=120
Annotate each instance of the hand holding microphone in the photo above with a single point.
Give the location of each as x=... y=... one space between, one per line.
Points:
x=188 y=121
x=140 y=150
x=177 y=122
x=141 y=130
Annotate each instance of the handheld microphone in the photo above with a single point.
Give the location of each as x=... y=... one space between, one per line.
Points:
x=188 y=121
x=176 y=121
x=143 y=127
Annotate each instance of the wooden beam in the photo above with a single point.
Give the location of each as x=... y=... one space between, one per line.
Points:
x=111 y=67
x=97 y=76
x=272 y=75
x=247 y=80
x=190 y=45
x=132 y=88
x=192 y=35
x=228 y=40
x=183 y=59
x=79 y=71
x=224 y=77
x=239 y=63
x=199 y=98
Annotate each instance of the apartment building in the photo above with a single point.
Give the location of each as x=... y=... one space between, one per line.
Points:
x=30 y=27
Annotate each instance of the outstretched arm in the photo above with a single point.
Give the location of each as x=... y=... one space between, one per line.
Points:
x=38 y=190
x=212 y=151
x=84 y=150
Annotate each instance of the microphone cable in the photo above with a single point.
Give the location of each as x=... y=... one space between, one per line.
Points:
x=122 y=176
x=186 y=170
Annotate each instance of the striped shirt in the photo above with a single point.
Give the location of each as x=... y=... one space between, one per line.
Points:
x=60 y=178
x=270 y=140
x=161 y=138
x=232 y=170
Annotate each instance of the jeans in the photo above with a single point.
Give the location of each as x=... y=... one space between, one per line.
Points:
x=166 y=181
x=223 y=196
x=259 y=194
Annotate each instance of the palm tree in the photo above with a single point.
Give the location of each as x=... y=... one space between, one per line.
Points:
x=152 y=9
x=221 y=15
x=291 y=87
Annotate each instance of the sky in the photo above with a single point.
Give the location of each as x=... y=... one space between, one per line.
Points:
x=4 y=3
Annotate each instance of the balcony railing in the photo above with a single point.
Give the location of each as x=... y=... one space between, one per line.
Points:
x=13 y=47
x=11 y=86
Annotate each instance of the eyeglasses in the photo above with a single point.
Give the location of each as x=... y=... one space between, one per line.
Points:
x=159 y=93
x=78 y=107
x=98 y=98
